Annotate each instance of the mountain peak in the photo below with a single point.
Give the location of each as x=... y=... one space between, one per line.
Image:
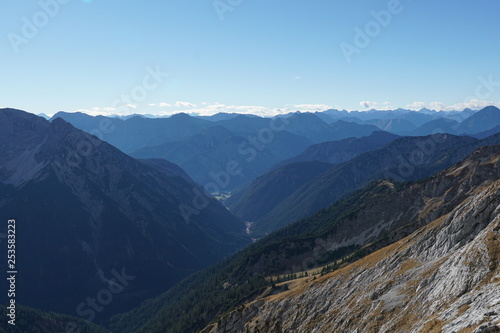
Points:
x=490 y=108
x=9 y=113
x=88 y=208
x=61 y=123
x=481 y=121
x=181 y=115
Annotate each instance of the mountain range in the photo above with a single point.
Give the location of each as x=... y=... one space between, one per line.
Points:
x=209 y=152
x=405 y=257
x=341 y=151
x=443 y=277
x=205 y=145
x=376 y=221
x=88 y=213
x=407 y=158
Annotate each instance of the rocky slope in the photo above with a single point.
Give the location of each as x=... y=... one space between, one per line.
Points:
x=444 y=277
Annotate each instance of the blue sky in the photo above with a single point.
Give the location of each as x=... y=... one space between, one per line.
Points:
x=259 y=56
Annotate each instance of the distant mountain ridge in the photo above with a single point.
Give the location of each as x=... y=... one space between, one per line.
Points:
x=265 y=193
x=183 y=139
x=137 y=132
x=407 y=158
x=342 y=150
x=208 y=154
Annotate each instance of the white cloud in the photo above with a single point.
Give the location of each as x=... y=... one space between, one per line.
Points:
x=297 y=77
x=185 y=104
x=416 y=105
x=312 y=107
x=436 y=106
x=211 y=108
x=474 y=104
x=96 y=110
x=368 y=104
x=161 y=104
x=92 y=112
x=385 y=106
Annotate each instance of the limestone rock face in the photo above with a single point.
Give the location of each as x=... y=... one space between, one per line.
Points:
x=444 y=277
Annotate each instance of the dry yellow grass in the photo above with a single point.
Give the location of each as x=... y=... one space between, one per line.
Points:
x=433 y=326
x=408 y=265
x=462 y=309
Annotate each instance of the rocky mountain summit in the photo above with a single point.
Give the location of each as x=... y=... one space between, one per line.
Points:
x=442 y=277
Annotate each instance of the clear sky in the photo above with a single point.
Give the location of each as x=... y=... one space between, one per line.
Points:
x=261 y=56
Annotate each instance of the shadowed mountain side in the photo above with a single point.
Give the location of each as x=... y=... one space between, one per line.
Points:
x=485 y=134
x=265 y=192
x=396 y=126
x=343 y=129
x=481 y=121
x=441 y=125
x=407 y=158
x=30 y=320
x=341 y=151
x=137 y=132
x=168 y=168
x=214 y=152
x=87 y=212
